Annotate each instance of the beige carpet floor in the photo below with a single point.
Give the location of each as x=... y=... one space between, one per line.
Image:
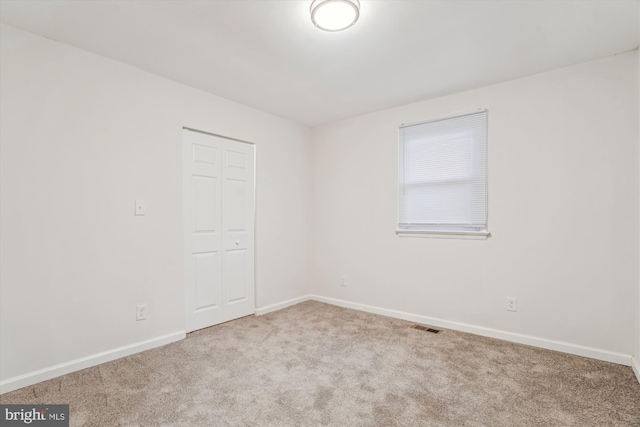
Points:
x=315 y=364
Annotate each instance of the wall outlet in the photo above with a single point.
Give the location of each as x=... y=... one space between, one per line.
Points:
x=343 y=281
x=141 y=312
x=141 y=208
x=512 y=304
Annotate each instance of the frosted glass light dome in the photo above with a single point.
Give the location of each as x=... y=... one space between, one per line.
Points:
x=334 y=15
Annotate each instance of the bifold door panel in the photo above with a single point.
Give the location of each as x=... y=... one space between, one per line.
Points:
x=219 y=201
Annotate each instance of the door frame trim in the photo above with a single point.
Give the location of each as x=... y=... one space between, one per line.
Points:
x=219 y=136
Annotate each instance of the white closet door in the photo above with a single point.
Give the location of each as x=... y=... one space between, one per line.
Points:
x=237 y=229
x=219 y=229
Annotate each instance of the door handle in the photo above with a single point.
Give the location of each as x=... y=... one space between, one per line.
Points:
x=237 y=242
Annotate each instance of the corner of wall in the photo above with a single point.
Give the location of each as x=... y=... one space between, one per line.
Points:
x=636 y=358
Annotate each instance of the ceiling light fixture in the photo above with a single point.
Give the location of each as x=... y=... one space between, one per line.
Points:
x=334 y=15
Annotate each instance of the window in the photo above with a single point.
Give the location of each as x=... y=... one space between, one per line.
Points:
x=442 y=177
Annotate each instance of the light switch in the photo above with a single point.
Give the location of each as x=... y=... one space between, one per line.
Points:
x=140 y=207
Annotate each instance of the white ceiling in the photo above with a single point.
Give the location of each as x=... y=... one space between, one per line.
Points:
x=267 y=54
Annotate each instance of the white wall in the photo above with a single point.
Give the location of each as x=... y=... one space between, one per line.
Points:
x=82 y=137
x=563 y=211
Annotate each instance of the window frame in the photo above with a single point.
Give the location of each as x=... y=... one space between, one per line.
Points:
x=441 y=231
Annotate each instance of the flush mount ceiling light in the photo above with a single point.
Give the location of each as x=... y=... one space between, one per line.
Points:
x=334 y=15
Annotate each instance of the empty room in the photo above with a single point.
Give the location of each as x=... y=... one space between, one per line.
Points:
x=320 y=213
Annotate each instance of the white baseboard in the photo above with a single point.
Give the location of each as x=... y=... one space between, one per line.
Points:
x=40 y=375
x=579 y=350
x=34 y=377
x=281 y=305
x=635 y=364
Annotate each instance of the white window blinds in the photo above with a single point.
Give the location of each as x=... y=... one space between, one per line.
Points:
x=443 y=175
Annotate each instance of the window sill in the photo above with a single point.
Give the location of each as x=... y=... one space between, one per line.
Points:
x=441 y=234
